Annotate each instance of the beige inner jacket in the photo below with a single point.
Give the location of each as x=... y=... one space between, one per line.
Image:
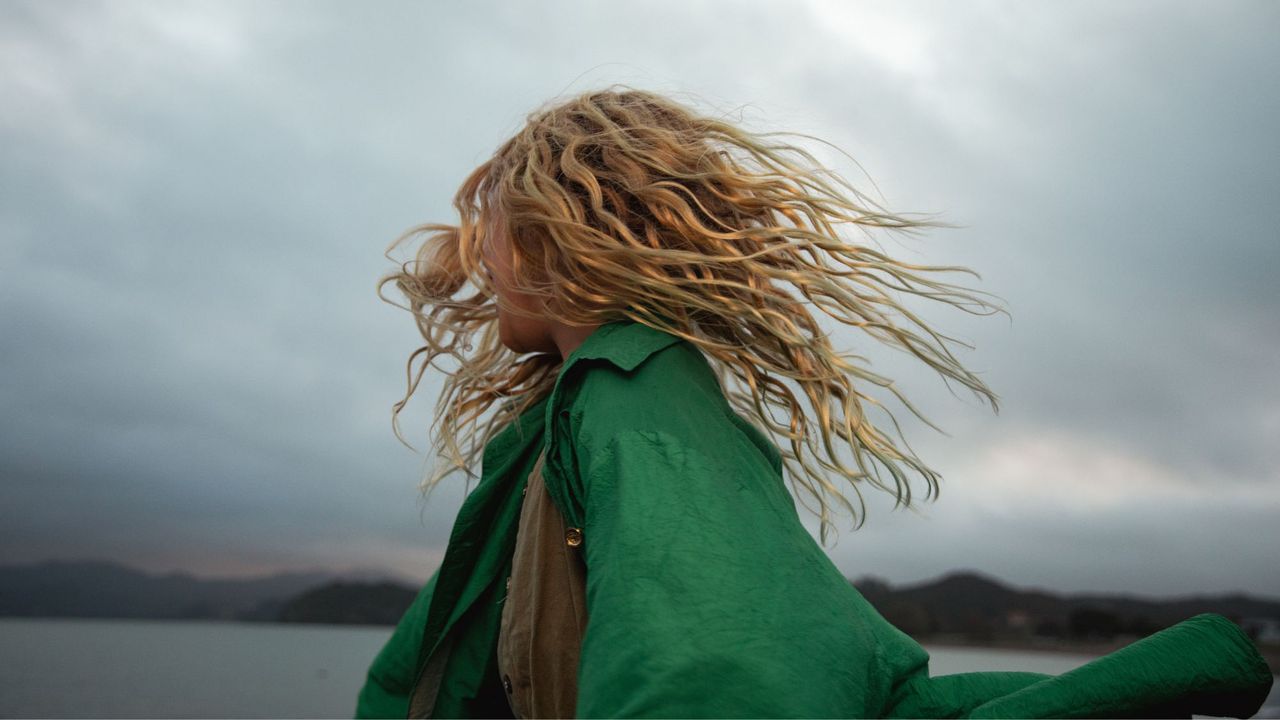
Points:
x=545 y=614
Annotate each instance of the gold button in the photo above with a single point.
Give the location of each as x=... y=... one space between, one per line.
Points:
x=573 y=537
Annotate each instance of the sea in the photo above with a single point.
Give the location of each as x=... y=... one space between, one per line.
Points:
x=63 y=668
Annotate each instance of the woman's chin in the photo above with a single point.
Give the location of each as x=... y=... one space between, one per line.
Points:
x=504 y=334
x=509 y=339
x=521 y=344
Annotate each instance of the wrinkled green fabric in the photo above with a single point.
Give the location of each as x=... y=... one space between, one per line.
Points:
x=706 y=596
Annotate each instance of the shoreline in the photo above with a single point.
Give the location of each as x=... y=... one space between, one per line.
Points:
x=1269 y=652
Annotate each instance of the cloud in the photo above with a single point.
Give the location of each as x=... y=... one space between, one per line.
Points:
x=1049 y=509
x=197 y=197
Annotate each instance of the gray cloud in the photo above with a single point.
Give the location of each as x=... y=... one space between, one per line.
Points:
x=196 y=199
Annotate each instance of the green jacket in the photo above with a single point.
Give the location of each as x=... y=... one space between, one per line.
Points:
x=707 y=597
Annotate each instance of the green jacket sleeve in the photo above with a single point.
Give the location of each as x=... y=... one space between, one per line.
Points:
x=1204 y=665
x=391 y=674
x=706 y=597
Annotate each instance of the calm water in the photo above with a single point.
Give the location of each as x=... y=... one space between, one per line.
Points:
x=122 y=668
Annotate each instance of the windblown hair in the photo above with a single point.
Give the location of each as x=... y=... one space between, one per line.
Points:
x=623 y=203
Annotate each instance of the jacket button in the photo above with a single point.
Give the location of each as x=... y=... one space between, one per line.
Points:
x=506 y=684
x=573 y=537
x=508 y=583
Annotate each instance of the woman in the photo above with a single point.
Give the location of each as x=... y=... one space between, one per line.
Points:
x=632 y=548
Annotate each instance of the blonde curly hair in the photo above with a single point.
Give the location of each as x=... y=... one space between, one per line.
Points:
x=623 y=203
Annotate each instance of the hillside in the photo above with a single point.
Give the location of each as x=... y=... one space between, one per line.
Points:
x=343 y=603
x=974 y=607
x=96 y=589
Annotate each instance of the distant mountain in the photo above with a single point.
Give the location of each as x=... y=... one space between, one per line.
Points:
x=965 y=606
x=976 y=607
x=346 y=603
x=96 y=589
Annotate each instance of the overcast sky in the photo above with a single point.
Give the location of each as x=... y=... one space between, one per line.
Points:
x=195 y=200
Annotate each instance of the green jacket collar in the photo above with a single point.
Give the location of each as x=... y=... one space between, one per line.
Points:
x=625 y=343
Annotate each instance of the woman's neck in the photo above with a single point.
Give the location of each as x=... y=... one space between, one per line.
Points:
x=568 y=337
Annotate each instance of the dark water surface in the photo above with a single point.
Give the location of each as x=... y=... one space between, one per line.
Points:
x=143 y=669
